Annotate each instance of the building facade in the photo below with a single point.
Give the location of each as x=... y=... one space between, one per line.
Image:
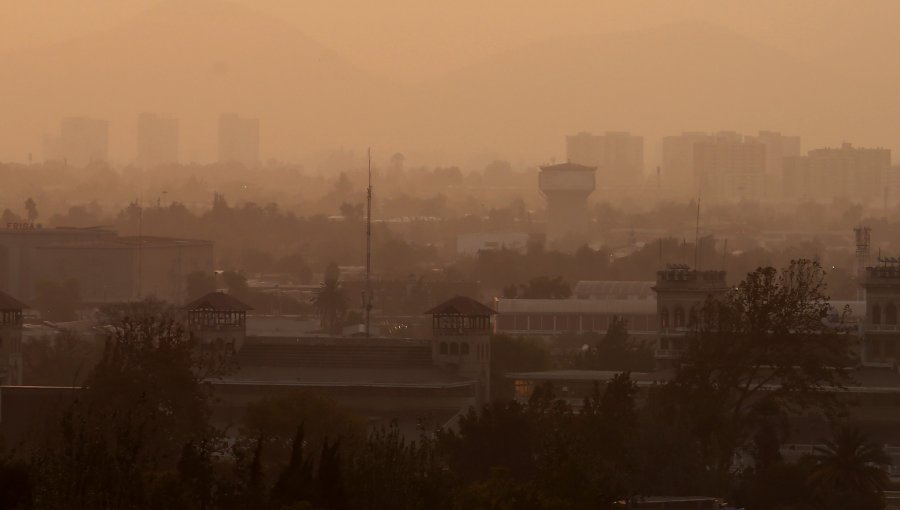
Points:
x=681 y=293
x=81 y=141
x=618 y=156
x=11 y=364
x=853 y=173
x=567 y=187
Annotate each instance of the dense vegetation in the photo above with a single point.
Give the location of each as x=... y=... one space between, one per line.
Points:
x=139 y=434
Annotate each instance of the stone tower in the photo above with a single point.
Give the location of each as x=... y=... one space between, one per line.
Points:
x=218 y=320
x=680 y=295
x=461 y=329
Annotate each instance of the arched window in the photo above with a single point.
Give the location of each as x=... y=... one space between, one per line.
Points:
x=464 y=348
x=876 y=314
x=454 y=348
x=678 y=317
x=664 y=318
x=890 y=314
x=443 y=347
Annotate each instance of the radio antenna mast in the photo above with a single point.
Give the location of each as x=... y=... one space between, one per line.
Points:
x=697 y=239
x=367 y=302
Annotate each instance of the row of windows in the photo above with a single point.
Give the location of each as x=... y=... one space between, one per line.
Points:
x=572 y=322
x=462 y=349
x=678 y=318
x=890 y=314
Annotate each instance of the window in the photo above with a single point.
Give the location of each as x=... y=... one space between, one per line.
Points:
x=679 y=317
x=464 y=348
x=443 y=347
x=890 y=314
x=664 y=318
x=454 y=348
x=876 y=314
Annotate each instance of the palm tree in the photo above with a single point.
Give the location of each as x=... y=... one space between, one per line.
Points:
x=850 y=468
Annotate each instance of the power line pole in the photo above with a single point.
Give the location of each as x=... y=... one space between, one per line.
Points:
x=367 y=301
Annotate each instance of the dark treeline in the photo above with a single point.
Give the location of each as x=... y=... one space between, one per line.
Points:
x=140 y=433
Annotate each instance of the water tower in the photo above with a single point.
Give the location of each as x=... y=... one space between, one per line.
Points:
x=567 y=187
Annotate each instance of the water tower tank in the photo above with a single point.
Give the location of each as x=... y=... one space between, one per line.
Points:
x=567 y=187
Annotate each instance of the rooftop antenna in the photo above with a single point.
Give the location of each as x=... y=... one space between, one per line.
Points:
x=367 y=300
x=140 y=254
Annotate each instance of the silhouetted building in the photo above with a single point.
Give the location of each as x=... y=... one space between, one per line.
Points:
x=218 y=320
x=157 y=140
x=462 y=329
x=122 y=269
x=81 y=141
x=238 y=140
x=849 y=172
x=381 y=379
x=778 y=147
x=567 y=187
x=591 y=309
x=680 y=296
x=618 y=156
x=729 y=168
x=677 y=172
x=10 y=340
x=881 y=346
x=108 y=268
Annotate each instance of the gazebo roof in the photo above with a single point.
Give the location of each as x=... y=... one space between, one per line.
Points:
x=8 y=302
x=461 y=305
x=218 y=301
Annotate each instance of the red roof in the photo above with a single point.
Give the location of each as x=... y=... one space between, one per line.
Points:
x=461 y=305
x=8 y=302
x=218 y=301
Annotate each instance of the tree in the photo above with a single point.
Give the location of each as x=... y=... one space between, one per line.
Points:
x=514 y=354
x=31 y=211
x=143 y=402
x=617 y=350
x=765 y=346
x=544 y=287
x=851 y=471
x=330 y=300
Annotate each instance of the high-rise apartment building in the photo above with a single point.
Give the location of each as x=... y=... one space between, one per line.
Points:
x=618 y=156
x=81 y=141
x=157 y=140
x=728 y=168
x=238 y=140
x=854 y=173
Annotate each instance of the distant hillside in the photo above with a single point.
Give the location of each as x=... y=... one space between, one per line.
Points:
x=684 y=76
x=196 y=59
x=199 y=58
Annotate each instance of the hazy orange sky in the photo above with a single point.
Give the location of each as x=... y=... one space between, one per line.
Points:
x=417 y=38
x=450 y=80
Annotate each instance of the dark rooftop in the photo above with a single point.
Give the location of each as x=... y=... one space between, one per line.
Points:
x=218 y=301
x=8 y=302
x=461 y=305
x=568 y=167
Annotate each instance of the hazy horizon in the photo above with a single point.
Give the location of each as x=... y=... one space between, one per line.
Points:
x=422 y=73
